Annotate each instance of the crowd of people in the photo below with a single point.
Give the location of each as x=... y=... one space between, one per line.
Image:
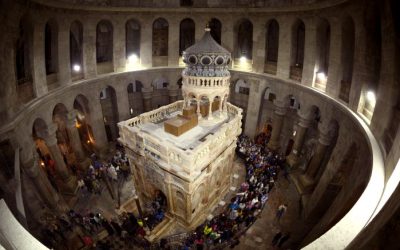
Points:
x=262 y=168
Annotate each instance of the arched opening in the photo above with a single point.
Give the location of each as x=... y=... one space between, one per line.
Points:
x=108 y=101
x=186 y=34
x=215 y=29
x=46 y=163
x=243 y=52
x=297 y=51
x=104 y=47
x=81 y=104
x=271 y=47
x=132 y=28
x=347 y=58
x=160 y=92
x=135 y=98
x=75 y=50
x=60 y=118
x=266 y=113
x=23 y=61
x=160 y=42
x=51 y=52
x=322 y=59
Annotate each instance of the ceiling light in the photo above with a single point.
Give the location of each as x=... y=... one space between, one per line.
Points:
x=76 y=68
x=133 y=59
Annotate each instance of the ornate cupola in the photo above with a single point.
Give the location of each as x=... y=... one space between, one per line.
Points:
x=206 y=77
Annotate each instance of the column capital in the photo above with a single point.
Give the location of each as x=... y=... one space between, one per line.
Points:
x=304 y=121
x=51 y=138
x=280 y=107
x=324 y=138
x=147 y=93
x=71 y=118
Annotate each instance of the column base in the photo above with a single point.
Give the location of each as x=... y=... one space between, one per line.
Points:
x=69 y=186
x=293 y=160
x=273 y=146
x=303 y=183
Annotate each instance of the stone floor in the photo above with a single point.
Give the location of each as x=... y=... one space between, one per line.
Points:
x=258 y=236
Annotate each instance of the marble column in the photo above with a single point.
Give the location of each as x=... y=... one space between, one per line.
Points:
x=319 y=154
x=198 y=108
x=302 y=127
x=64 y=64
x=285 y=48
x=147 y=99
x=89 y=50
x=277 y=124
x=97 y=125
x=173 y=93
x=122 y=103
x=38 y=60
x=119 y=44
x=253 y=107
x=310 y=53
x=75 y=140
x=146 y=58
x=210 y=115
x=173 y=43
x=69 y=183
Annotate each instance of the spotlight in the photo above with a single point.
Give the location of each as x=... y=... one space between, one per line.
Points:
x=133 y=59
x=243 y=59
x=371 y=96
x=321 y=76
x=76 y=68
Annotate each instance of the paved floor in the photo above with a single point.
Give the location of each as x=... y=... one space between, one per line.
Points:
x=258 y=236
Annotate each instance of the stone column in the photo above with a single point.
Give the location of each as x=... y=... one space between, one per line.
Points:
x=285 y=48
x=89 y=50
x=198 y=108
x=75 y=140
x=210 y=101
x=29 y=163
x=259 y=46
x=173 y=93
x=146 y=34
x=319 y=154
x=122 y=102
x=147 y=99
x=335 y=50
x=38 y=60
x=253 y=108
x=173 y=43
x=64 y=64
x=277 y=123
x=69 y=182
x=97 y=125
x=302 y=127
x=310 y=53
x=119 y=44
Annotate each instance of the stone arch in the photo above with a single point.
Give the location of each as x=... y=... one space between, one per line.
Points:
x=76 y=49
x=104 y=41
x=160 y=37
x=271 y=46
x=83 y=122
x=186 y=34
x=132 y=38
x=266 y=112
x=347 y=57
x=51 y=47
x=215 y=29
x=297 y=50
x=243 y=39
x=23 y=62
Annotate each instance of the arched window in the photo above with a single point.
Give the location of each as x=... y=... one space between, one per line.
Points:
x=75 y=47
x=244 y=40
x=22 y=53
x=104 y=42
x=215 y=29
x=186 y=34
x=347 y=58
x=50 y=47
x=132 y=38
x=160 y=37
x=297 y=56
x=271 y=47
